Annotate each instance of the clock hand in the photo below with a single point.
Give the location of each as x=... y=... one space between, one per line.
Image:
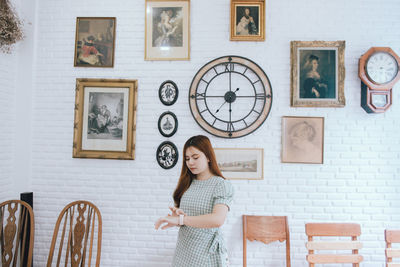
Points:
x=228 y=99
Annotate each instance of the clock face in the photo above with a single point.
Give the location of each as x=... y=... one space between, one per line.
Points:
x=381 y=67
x=230 y=96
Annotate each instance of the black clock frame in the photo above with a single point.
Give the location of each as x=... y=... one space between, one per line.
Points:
x=176 y=93
x=230 y=96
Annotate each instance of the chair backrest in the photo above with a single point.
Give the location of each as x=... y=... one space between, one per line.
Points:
x=81 y=228
x=16 y=233
x=265 y=229
x=352 y=230
x=392 y=236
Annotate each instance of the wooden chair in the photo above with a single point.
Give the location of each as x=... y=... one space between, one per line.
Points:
x=81 y=228
x=333 y=229
x=17 y=220
x=392 y=236
x=265 y=229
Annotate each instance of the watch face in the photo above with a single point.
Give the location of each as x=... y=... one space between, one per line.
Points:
x=381 y=67
x=167 y=124
x=230 y=96
x=168 y=93
x=167 y=155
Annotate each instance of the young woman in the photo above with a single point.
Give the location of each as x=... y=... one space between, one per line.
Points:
x=202 y=200
x=314 y=85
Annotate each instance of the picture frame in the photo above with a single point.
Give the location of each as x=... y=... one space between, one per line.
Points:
x=317 y=73
x=303 y=140
x=167 y=30
x=241 y=163
x=105 y=118
x=168 y=93
x=167 y=155
x=95 y=42
x=167 y=124
x=247 y=20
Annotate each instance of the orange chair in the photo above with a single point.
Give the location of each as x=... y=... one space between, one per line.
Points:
x=265 y=229
x=333 y=229
x=82 y=227
x=392 y=236
x=14 y=217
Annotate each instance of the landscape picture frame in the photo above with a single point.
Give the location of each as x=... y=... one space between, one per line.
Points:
x=105 y=118
x=241 y=163
x=303 y=139
x=317 y=73
x=167 y=30
x=95 y=42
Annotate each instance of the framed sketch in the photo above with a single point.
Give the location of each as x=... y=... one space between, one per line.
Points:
x=167 y=155
x=94 y=42
x=241 y=163
x=167 y=124
x=247 y=20
x=167 y=32
x=168 y=93
x=317 y=74
x=105 y=119
x=303 y=140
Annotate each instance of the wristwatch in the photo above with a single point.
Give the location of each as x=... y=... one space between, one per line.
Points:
x=181 y=219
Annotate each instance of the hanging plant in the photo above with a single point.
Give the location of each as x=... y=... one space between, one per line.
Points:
x=10 y=27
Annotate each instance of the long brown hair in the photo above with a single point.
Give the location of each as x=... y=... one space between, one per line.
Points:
x=203 y=144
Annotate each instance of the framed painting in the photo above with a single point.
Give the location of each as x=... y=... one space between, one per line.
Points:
x=247 y=20
x=94 y=42
x=105 y=119
x=167 y=30
x=241 y=163
x=317 y=74
x=303 y=140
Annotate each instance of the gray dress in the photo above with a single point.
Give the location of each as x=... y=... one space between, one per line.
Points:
x=202 y=247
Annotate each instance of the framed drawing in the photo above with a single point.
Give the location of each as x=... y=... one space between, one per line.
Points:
x=167 y=32
x=241 y=163
x=303 y=140
x=168 y=93
x=94 y=42
x=317 y=74
x=167 y=124
x=247 y=20
x=105 y=119
x=167 y=155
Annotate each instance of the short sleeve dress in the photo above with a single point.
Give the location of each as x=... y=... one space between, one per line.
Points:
x=202 y=247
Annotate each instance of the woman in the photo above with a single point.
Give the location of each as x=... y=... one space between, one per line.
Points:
x=202 y=200
x=246 y=25
x=314 y=86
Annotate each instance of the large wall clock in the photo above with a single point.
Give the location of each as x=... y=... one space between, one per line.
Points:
x=230 y=97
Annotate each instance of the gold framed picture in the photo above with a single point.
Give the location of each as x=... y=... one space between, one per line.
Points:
x=105 y=118
x=94 y=42
x=167 y=30
x=303 y=139
x=247 y=20
x=241 y=163
x=317 y=73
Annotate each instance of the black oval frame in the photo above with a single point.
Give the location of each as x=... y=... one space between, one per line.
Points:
x=159 y=124
x=172 y=145
x=176 y=95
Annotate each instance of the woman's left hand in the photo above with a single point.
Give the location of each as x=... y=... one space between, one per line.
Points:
x=170 y=221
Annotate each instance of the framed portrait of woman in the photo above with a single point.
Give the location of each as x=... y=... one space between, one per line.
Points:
x=247 y=20
x=95 y=42
x=167 y=32
x=303 y=139
x=317 y=73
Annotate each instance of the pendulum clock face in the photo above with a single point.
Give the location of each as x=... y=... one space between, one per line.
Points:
x=230 y=97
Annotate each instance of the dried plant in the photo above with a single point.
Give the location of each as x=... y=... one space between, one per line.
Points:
x=10 y=27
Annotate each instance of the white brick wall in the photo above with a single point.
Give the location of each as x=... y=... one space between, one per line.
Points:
x=358 y=181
